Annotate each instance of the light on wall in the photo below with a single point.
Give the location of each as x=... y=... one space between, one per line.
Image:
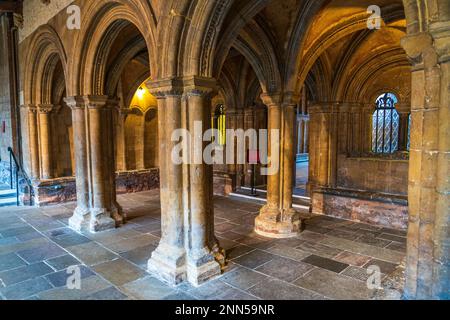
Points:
x=140 y=92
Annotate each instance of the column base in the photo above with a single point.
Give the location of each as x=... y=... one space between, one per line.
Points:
x=168 y=264
x=117 y=214
x=80 y=219
x=203 y=267
x=103 y=220
x=278 y=224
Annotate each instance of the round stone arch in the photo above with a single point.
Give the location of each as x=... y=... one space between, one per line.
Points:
x=103 y=24
x=44 y=52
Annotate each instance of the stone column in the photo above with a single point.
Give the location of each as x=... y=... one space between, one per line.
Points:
x=428 y=246
x=188 y=249
x=306 y=136
x=45 y=140
x=33 y=141
x=105 y=213
x=168 y=261
x=80 y=218
x=240 y=168
x=201 y=242
x=288 y=163
x=277 y=219
x=232 y=124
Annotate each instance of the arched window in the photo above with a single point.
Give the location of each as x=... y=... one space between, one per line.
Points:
x=219 y=123
x=386 y=122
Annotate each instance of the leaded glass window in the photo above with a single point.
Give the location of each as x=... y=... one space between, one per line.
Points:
x=386 y=123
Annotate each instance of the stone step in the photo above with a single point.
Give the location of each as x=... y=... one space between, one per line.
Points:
x=8 y=193
x=8 y=202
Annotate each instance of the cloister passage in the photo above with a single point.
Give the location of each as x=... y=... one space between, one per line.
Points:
x=350 y=172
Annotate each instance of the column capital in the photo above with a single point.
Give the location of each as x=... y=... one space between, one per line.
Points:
x=75 y=102
x=29 y=107
x=271 y=99
x=179 y=86
x=45 y=108
x=200 y=86
x=96 y=102
x=421 y=50
x=291 y=99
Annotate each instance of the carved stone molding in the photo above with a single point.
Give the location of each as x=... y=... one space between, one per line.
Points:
x=45 y=108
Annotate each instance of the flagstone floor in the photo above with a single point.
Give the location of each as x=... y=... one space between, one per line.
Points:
x=327 y=261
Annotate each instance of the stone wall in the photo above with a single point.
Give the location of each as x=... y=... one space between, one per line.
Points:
x=6 y=139
x=373 y=174
x=36 y=13
x=48 y=192
x=372 y=208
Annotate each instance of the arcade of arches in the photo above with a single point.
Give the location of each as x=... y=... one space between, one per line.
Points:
x=362 y=115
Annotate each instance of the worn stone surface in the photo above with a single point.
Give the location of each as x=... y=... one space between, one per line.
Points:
x=113 y=264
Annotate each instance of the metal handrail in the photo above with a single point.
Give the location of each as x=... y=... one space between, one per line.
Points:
x=19 y=170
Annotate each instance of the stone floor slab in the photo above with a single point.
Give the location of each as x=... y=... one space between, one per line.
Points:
x=243 y=278
x=92 y=253
x=148 y=288
x=25 y=289
x=325 y=263
x=25 y=273
x=275 y=289
x=10 y=261
x=284 y=269
x=119 y=272
x=333 y=285
x=254 y=259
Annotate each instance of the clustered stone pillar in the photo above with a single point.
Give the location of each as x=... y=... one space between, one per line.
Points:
x=188 y=249
x=428 y=245
x=97 y=208
x=45 y=140
x=278 y=219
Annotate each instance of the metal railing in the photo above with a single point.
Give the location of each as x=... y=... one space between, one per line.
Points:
x=16 y=171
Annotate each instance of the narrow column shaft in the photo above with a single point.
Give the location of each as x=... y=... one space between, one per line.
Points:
x=81 y=215
x=172 y=185
x=120 y=140
x=288 y=156
x=273 y=181
x=306 y=137
x=44 y=139
x=201 y=258
x=105 y=212
x=33 y=142
x=198 y=174
x=96 y=148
